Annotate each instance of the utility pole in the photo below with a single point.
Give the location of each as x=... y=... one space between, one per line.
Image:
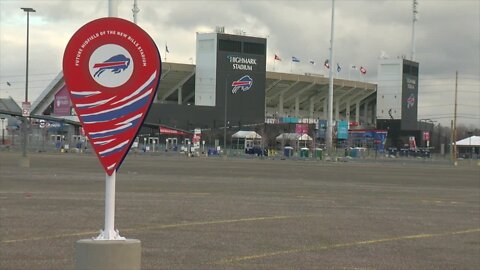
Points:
x=454 y=152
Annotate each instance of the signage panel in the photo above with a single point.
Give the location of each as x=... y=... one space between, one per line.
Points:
x=409 y=95
x=61 y=103
x=111 y=68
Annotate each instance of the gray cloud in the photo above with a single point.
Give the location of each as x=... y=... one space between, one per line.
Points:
x=448 y=37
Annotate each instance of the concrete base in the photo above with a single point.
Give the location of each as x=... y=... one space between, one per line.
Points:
x=24 y=162
x=108 y=254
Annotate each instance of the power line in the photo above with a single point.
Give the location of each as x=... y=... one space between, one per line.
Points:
x=23 y=75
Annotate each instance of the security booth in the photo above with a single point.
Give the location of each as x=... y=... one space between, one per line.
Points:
x=79 y=141
x=172 y=136
x=153 y=143
x=171 y=143
x=249 y=141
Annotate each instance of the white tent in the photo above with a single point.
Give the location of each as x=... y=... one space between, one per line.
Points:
x=293 y=137
x=246 y=135
x=246 y=140
x=470 y=141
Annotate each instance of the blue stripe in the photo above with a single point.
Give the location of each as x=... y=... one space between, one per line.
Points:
x=116 y=113
x=112 y=133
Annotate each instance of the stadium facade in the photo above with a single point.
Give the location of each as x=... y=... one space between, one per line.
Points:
x=229 y=86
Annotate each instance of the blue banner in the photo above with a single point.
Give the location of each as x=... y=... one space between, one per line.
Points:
x=342 y=130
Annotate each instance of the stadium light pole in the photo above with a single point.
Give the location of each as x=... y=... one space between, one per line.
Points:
x=329 y=134
x=414 y=20
x=24 y=124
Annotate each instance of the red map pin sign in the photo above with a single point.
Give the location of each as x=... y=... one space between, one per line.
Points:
x=112 y=69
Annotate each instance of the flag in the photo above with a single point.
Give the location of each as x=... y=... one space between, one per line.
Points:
x=326 y=64
x=9 y=84
x=339 y=68
x=312 y=62
x=166 y=49
x=295 y=59
x=363 y=70
x=277 y=58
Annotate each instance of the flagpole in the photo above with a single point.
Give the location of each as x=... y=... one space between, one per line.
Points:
x=329 y=134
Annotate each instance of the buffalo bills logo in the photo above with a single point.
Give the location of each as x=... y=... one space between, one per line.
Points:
x=116 y=64
x=411 y=101
x=243 y=84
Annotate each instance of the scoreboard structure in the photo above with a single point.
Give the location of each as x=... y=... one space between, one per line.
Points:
x=230 y=75
x=397 y=92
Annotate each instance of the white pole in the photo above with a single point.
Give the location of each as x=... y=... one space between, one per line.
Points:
x=109 y=231
x=415 y=12
x=112 y=8
x=135 y=10
x=329 y=134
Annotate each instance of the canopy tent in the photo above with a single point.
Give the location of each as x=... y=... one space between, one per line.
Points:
x=469 y=147
x=294 y=137
x=470 y=141
x=246 y=135
x=246 y=140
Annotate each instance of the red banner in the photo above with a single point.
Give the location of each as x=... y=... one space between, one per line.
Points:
x=301 y=128
x=169 y=131
x=61 y=104
x=426 y=136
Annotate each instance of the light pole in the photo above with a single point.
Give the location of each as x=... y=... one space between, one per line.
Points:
x=3 y=130
x=329 y=135
x=225 y=117
x=25 y=122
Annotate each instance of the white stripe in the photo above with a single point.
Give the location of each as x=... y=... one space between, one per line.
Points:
x=104 y=142
x=138 y=90
x=111 y=166
x=109 y=130
x=124 y=105
x=130 y=120
x=95 y=103
x=114 y=148
x=85 y=93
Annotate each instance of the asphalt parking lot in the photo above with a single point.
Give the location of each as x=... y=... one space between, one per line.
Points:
x=214 y=213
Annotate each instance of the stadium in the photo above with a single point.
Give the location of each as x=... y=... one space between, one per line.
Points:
x=229 y=90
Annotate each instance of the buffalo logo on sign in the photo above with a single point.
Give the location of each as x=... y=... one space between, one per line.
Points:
x=112 y=69
x=411 y=101
x=115 y=64
x=243 y=84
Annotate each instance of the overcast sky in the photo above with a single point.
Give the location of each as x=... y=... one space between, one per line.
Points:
x=448 y=39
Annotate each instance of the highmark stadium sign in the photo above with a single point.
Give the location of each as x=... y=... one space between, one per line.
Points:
x=242 y=63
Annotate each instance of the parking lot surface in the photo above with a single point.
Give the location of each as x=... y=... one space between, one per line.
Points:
x=215 y=213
